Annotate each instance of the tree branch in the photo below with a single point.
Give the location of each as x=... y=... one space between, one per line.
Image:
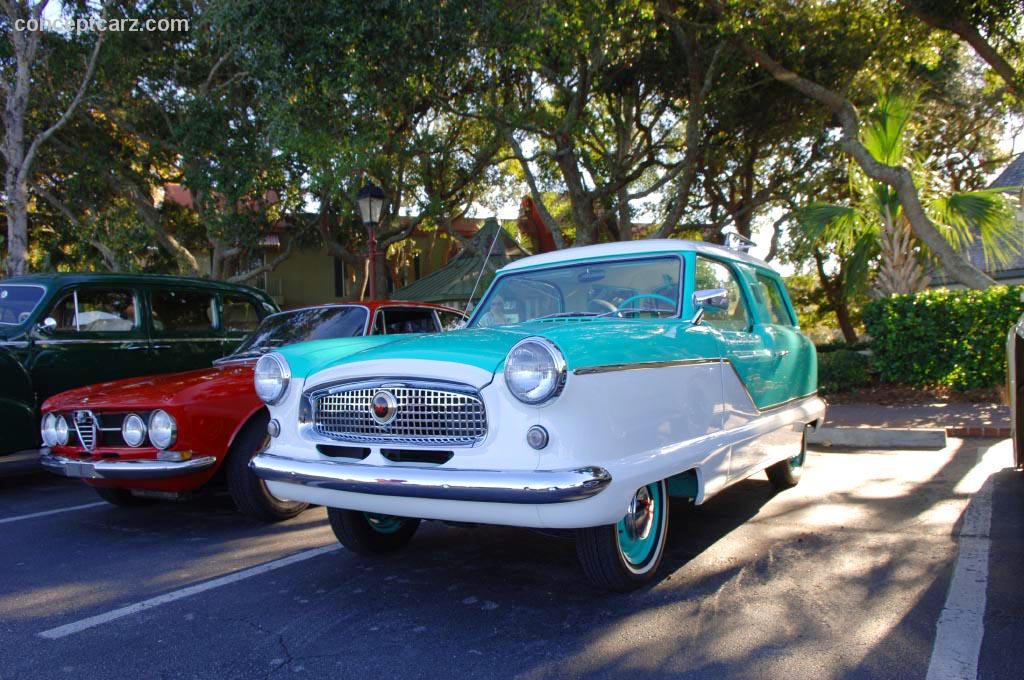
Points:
x=973 y=37
x=898 y=177
x=26 y=164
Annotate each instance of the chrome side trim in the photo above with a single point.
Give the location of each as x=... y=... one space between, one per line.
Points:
x=438 y=483
x=123 y=469
x=608 y=368
x=90 y=341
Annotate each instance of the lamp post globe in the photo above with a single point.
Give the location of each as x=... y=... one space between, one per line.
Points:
x=371 y=201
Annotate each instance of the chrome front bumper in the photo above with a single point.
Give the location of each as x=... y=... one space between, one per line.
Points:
x=486 y=486
x=123 y=469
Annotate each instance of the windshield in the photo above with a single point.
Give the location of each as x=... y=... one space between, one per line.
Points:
x=622 y=289
x=17 y=303
x=315 y=323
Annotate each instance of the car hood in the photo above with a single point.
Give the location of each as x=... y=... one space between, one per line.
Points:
x=229 y=381
x=584 y=342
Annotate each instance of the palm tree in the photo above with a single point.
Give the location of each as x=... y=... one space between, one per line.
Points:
x=873 y=228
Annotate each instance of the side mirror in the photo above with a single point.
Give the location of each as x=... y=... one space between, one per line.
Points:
x=715 y=298
x=47 y=325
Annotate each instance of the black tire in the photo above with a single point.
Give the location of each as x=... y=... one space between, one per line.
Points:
x=787 y=473
x=601 y=553
x=122 y=498
x=355 y=531
x=248 y=491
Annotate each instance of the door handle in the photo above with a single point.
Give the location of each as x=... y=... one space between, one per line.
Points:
x=781 y=353
x=133 y=347
x=161 y=346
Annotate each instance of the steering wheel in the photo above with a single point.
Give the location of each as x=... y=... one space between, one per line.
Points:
x=641 y=296
x=598 y=302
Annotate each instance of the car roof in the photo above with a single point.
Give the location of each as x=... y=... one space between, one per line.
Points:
x=632 y=248
x=128 y=279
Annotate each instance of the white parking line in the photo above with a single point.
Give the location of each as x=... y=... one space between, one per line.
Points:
x=961 y=625
x=51 y=512
x=99 y=619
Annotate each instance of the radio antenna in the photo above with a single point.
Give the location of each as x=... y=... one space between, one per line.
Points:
x=487 y=258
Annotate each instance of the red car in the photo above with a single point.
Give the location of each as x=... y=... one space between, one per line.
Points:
x=167 y=435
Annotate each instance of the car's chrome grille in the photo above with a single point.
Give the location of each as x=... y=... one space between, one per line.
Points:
x=85 y=428
x=425 y=413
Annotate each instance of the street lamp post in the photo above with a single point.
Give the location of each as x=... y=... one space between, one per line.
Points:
x=371 y=200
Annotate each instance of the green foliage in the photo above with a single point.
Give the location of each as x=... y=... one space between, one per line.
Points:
x=841 y=370
x=944 y=337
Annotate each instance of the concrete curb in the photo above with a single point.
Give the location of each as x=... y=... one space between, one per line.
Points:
x=878 y=437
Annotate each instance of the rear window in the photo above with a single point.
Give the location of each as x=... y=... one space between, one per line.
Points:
x=394 y=321
x=176 y=311
x=17 y=303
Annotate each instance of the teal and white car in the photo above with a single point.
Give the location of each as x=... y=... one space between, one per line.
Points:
x=590 y=386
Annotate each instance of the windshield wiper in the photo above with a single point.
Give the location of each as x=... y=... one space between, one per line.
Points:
x=565 y=315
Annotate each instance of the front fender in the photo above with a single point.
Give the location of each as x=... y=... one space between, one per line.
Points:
x=17 y=406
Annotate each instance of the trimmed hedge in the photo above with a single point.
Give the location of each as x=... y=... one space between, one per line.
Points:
x=955 y=338
x=841 y=370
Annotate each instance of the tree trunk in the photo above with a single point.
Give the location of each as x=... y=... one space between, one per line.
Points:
x=19 y=158
x=17 y=229
x=900 y=271
x=835 y=293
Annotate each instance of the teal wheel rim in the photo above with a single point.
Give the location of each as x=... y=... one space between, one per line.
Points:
x=797 y=461
x=638 y=532
x=383 y=524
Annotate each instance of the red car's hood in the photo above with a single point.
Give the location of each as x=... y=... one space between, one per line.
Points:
x=231 y=381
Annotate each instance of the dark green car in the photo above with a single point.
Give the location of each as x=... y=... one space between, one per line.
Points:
x=60 y=331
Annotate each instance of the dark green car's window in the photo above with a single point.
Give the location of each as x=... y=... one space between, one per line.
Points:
x=238 y=314
x=17 y=302
x=176 y=312
x=95 y=311
x=711 y=274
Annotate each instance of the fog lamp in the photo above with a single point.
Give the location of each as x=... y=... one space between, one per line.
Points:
x=537 y=437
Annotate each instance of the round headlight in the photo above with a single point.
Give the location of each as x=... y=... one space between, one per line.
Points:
x=133 y=430
x=271 y=378
x=162 y=429
x=48 y=429
x=61 y=431
x=535 y=371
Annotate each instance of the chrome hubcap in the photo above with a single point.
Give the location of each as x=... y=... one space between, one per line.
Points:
x=639 y=518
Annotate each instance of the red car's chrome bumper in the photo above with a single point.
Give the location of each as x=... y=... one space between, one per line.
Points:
x=123 y=469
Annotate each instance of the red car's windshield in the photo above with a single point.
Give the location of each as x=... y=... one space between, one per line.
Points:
x=314 y=323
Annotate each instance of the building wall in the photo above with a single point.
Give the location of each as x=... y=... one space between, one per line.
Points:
x=306 y=278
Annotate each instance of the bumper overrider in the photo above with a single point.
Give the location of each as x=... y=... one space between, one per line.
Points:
x=123 y=469
x=438 y=483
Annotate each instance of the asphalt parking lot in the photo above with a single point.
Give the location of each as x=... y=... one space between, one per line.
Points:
x=845 y=576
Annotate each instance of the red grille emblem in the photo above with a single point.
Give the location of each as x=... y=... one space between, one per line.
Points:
x=383 y=407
